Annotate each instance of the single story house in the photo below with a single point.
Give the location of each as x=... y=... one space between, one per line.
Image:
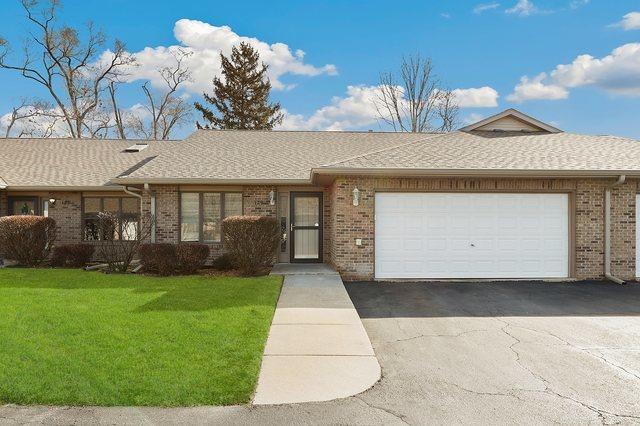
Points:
x=509 y=197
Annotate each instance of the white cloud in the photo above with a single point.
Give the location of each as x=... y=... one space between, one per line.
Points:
x=445 y=15
x=483 y=7
x=523 y=8
x=576 y=4
x=355 y=110
x=205 y=42
x=616 y=73
x=480 y=97
x=472 y=118
x=358 y=109
x=630 y=21
x=535 y=88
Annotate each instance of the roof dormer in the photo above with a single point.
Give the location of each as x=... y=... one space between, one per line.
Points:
x=511 y=120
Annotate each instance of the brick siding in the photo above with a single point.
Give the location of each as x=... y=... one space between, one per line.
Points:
x=351 y=222
x=4 y=204
x=343 y=222
x=255 y=201
x=67 y=212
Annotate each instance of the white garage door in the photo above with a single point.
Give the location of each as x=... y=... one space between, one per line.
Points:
x=479 y=235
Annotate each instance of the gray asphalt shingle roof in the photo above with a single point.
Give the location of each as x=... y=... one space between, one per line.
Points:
x=212 y=155
x=273 y=155
x=70 y=162
x=510 y=151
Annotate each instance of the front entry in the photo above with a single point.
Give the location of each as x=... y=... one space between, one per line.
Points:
x=306 y=227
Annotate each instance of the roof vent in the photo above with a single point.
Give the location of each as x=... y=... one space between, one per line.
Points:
x=137 y=147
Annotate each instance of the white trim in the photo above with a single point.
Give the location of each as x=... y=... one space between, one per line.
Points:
x=515 y=113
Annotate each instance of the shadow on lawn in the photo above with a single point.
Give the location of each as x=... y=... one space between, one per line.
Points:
x=185 y=293
x=489 y=299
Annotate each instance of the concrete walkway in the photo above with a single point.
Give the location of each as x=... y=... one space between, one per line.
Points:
x=318 y=349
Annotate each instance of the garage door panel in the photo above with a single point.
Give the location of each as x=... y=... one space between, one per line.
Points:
x=480 y=235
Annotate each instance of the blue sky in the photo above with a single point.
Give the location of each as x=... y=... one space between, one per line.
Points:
x=348 y=43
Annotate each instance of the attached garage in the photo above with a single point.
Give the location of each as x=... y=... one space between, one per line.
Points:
x=471 y=235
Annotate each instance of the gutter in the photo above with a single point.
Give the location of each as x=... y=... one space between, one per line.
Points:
x=206 y=181
x=607 y=230
x=408 y=172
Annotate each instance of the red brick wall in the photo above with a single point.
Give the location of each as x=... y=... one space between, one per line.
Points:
x=351 y=222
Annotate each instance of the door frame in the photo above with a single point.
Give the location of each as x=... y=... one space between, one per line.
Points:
x=292 y=238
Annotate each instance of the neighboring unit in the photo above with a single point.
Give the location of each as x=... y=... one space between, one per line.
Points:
x=508 y=197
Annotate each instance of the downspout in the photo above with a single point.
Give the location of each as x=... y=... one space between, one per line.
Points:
x=152 y=210
x=607 y=230
x=135 y=194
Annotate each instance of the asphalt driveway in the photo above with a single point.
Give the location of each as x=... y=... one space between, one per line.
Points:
x=452 y=353
x=505 y=352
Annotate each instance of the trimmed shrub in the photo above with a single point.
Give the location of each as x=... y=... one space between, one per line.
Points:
x=224 y=262
x=158 y=258
x=27 y=239
x=191 y=257
x=74 y=255
x=251 y=241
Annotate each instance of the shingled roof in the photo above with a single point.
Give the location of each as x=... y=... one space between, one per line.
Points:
x=239 y=156
x=242 y=155
x=502 y=153
x=71 y=163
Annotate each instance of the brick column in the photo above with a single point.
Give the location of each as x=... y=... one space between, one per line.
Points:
x=167 y=213
x=67 y=212
x=4 y=206
x=623 y=231
x=351 y=222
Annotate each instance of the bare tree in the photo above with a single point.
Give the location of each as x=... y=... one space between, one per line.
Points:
x=166 y=108
x=31 y=118
x=73 y=72
x=412 y=102
x=447 y=110
x=117 y=112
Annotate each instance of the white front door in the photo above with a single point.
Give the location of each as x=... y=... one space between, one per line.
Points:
x=471 y=235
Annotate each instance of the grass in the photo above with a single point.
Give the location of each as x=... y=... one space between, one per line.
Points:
x=69 y=337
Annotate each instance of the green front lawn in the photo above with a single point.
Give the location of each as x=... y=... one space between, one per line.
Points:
x=69 y=337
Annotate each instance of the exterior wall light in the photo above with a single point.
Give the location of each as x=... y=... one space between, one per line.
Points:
x=52 y=202
x=356 y=197
x=272 y=197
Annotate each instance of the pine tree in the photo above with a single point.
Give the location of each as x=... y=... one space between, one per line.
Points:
x=241 y=100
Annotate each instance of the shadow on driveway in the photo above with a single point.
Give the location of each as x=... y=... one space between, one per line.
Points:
x=490 y=299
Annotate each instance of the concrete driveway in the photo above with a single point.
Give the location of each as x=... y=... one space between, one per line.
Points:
x=452 y=353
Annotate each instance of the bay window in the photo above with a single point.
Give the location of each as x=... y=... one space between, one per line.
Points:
x=201 y=214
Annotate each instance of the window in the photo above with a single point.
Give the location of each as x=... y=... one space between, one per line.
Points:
x=201 y=214
x=126 y=209
x=23 y=206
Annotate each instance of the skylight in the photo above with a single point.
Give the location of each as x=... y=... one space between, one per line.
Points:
x=137 y=147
